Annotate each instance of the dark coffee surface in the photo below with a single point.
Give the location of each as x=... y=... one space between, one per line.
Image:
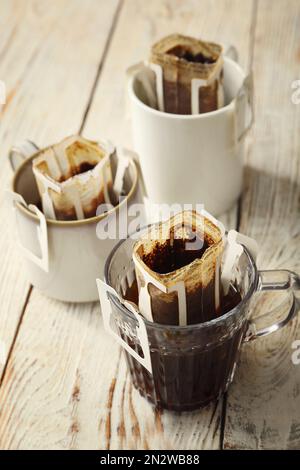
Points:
x=175 y=253
x=184 y=53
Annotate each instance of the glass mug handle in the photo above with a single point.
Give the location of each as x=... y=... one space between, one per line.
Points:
x=275 y=280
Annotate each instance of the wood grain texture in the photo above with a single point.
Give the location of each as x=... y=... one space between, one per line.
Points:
x=263 y=408
x=49 y=67
x=66 y=384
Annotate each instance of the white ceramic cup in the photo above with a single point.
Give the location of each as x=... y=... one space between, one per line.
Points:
x=193 y=159
x=63 y=258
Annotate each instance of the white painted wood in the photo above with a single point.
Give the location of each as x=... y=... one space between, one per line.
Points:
x=263 y=410
x=49 y=57
x=66 y=385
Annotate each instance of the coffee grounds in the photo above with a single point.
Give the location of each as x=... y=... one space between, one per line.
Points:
x=228 y=302
x=82 y=168
x=173 y=254
x=186 y=54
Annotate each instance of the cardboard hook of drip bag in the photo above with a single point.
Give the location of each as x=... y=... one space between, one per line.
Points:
x=169 y=289
x=73 y=177
x=141 y=332
x=47 y=203
x=157 y=69
x=198 y=83
x=41 y=233
x=124 y=156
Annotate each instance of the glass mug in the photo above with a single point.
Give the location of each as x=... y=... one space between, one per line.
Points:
x=182 y=368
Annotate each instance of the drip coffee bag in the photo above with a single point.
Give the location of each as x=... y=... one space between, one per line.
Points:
x=177 y=266
x=188 y=75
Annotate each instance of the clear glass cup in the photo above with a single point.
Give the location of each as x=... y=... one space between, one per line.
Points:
x=193 y=365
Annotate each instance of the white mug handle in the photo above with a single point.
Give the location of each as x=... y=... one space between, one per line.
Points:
x=231 y=52
x=244 y=107
x=41 y=233
x=20 y=152
x=244 y=99
x=104 y=289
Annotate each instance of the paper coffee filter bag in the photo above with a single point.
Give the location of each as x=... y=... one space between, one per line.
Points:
x=73 y=178
x=178 y=286
x=189 y=75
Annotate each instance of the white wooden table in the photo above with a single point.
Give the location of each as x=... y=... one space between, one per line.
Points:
x=64 y=383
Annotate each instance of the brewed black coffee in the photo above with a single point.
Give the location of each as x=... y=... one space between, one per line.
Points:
x=184 y=381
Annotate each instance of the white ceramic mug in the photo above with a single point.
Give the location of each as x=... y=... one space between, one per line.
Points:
x=63 y=258
x=193 y=159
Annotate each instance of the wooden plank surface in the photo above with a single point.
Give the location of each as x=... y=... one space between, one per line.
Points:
x=263 y=407
x=65 y=384
x=49 y=67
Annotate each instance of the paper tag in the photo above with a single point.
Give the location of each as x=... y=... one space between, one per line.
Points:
x=197 y=83
x=181 y=296
x=145 y=305
x=141 y=331
x=233 y=251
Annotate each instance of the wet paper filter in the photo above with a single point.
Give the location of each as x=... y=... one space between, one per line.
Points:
x=178 y=269
x=189 y=75
x=73 y=178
